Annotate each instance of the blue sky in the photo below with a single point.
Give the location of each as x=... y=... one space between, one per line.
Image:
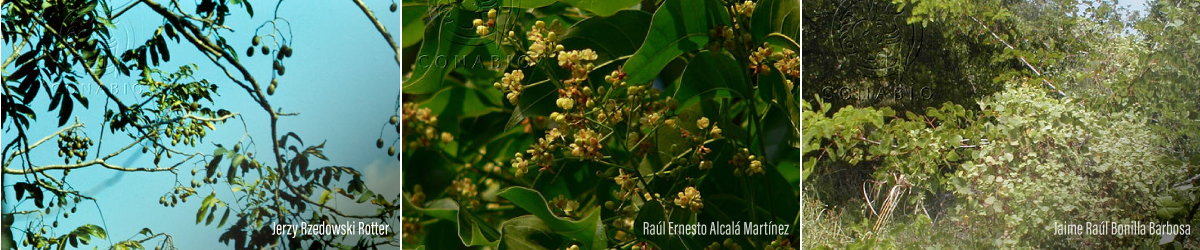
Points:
x=342 y=78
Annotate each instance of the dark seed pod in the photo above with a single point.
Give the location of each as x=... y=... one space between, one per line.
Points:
x=254 y=41
x=394 y=120
x=250 y=51
x=379 y=143
x=393 y=8
x=265 y=50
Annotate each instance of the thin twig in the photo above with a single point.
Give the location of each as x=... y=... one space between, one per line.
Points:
x=1022 y=58
x=382 y=30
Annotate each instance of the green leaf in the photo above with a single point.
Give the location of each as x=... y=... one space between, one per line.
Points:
x=249 y=8
x=678 y=26
x=204 y=206
x=211 y=168
x=365 y=196
x=602 y=7
x=589 y=231
x=536 y=100
x=611 y=37
x=710 y=74
x=527 y=232
x=224 y=218
x=439 y=56
x=781 y=16
x=162 y=48
x=471 y=230
x=475 y=232
x=64 y=112
x=414 y=27
x=96 y=231
x=443 y=208
x=324 y=197
x=458 y=102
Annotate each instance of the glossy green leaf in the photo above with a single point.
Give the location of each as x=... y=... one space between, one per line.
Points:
x=678 y=26
x=447 y=43
x=611 y=37
x=204 y=207
x=536 y=99
x=589 y=230
x=414 y=27
x=527 y=3
x=711 y=74
x=602 y=7
x=527 y=232
x=781 y=16
x=475 y=232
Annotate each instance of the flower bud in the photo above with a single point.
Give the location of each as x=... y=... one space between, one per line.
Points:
x=566 y=103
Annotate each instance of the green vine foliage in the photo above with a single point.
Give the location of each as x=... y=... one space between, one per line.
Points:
x=1038 y=114
x=572 y=124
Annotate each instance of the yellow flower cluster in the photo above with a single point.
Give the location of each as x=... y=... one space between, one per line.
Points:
x=539 y=154
x=419 y=122
x=576 y=61
x=511 y=84
x=484 y=28
x=544 y=43
x=753 y=165
x=690 y=199
x=564 y=206
x=587 y=144
x=788 y=62
x=743 y=9
x=466 y=191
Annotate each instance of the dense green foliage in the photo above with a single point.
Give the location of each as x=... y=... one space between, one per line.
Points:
x=571 y=124
x=1040 y=113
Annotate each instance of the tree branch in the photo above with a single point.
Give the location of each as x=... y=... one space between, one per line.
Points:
x=1022 y=58
x=382 y=31
x=97 y=161
x=39 y=142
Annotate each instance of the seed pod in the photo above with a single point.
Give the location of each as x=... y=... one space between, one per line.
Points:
x=281 y=69
x=379 y=143
x=250 y=51
x=254 y=41
x=265 y=50
x=394 y=120
x=391 y=151
x=271 y=89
